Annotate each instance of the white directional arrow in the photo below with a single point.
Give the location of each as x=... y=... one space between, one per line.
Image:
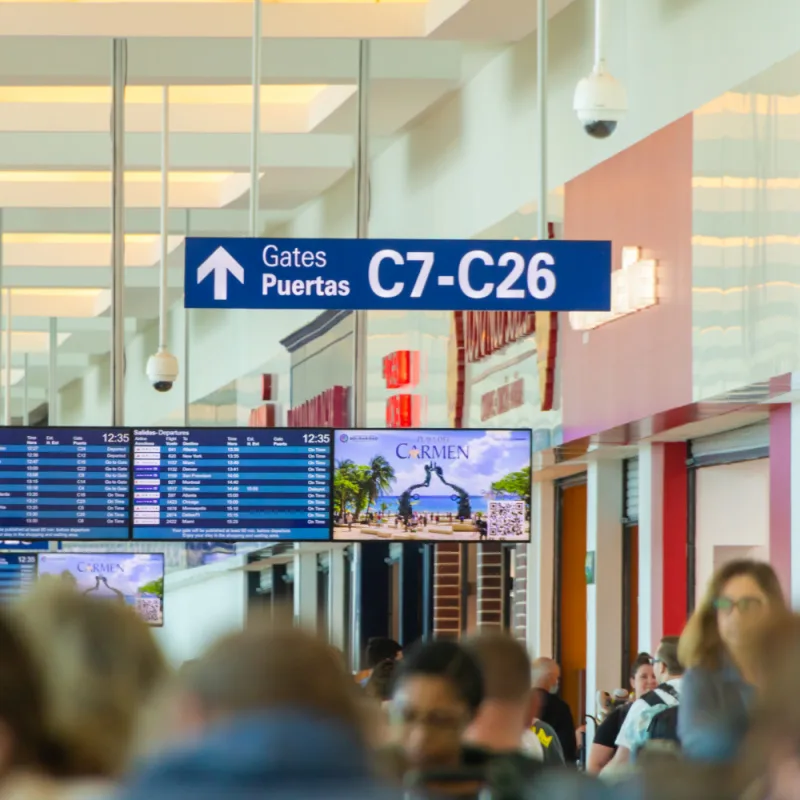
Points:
x=220 y=262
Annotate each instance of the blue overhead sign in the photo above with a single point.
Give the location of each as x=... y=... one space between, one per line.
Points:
x=398 y=274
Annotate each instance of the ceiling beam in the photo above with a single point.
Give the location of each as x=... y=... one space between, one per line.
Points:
x=86 y=277
x=132 y=20
x=188 y=151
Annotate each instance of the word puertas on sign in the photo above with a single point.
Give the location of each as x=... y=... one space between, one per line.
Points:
x=398 y=274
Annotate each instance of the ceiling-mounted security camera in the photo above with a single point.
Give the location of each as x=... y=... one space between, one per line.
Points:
x=600 y=102
x=162 y=370
x=600 y=99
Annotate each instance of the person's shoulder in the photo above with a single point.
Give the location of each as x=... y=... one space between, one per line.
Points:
x=636 y=707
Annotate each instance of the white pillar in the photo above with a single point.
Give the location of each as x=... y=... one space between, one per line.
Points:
x=52 y=374
x=541 y=563
x=651 y=546
x=305 y=588
x=337 y=611
x=604 y=597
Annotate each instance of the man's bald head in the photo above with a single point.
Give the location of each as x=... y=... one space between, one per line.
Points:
x=546 y=674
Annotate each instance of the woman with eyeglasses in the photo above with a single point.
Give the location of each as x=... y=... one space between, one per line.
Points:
x=716 y=647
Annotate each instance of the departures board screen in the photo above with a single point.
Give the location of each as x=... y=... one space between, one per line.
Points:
x=240 y=484
x=64 y=483
x=17 y=572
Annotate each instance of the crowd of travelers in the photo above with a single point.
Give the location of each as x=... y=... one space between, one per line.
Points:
x=89 y=708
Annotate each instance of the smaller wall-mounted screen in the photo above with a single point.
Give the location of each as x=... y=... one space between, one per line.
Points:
x=64 y=483
x=17 y=572
x=432 y=485
x=235 y=484
x=134 y=578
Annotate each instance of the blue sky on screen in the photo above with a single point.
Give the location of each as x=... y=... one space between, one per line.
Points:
x=125 y=572
x=471 y=459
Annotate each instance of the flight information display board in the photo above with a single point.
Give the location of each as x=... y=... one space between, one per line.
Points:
x=240 y=484
x=16 y=573
x=64 y=483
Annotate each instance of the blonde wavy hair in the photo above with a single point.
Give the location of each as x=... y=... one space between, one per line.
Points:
x=101 y=668
x=700 y=644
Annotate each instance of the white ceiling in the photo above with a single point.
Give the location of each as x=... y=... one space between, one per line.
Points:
x=55 y=144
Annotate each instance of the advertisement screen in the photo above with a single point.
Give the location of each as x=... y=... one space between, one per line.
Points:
x=432 y=485
x=134 y=578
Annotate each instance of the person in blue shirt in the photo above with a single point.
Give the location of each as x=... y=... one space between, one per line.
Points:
x=716 y=647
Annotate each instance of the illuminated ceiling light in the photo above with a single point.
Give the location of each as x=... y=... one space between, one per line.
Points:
x=634 y=287
x=99 y=176
x=731 y=182
x=238 y=94
x=249 y=2
x=76 y=238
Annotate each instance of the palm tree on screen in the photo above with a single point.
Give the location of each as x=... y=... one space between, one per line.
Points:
x=381 y=477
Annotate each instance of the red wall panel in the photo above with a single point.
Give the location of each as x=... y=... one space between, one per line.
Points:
x=675 y=516
x=640 y=364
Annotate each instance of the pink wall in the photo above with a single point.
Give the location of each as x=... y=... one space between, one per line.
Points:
x=780 y=494
x=641 y=364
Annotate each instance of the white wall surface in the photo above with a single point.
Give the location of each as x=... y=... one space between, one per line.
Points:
x=200 y=605
x=732 y=516
x=470 y=162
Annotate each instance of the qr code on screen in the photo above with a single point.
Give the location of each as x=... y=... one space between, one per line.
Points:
x=149 y=609
x=506 y=519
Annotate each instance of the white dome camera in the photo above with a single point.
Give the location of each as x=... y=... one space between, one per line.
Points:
x=162 y=370
x=600 y=102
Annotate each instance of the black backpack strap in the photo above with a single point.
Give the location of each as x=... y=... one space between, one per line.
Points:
x=670 y=690
x=652 y=698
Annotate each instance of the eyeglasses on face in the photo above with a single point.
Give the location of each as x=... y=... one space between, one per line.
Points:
x=745 y=604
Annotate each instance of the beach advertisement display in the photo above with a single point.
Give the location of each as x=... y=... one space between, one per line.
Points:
x=432 y=485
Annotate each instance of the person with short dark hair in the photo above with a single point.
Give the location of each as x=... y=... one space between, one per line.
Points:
x=378 y=650
x=436 y=692
x=379 y=683
x=381 y=648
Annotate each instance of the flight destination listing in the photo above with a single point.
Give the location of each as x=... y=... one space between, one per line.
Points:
x=236 y=483
x=17 y=573
x=64 y=483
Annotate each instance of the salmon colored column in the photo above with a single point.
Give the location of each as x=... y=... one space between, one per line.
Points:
x=780 y=494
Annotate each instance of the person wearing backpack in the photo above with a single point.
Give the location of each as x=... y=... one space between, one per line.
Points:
x=650 y=706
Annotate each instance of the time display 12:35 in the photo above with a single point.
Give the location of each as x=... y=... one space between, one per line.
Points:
x=116 y=438
x=317 y=438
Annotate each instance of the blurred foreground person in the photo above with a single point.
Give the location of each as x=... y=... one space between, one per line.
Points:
x=102 y=672
x=718 y=689
x=461 y=727
x=505 y=722
x=268 y=712
x=28 y=756
x=437 y=690
x=772 y=750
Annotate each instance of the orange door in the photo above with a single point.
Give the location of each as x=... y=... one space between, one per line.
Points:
x=572 y=618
